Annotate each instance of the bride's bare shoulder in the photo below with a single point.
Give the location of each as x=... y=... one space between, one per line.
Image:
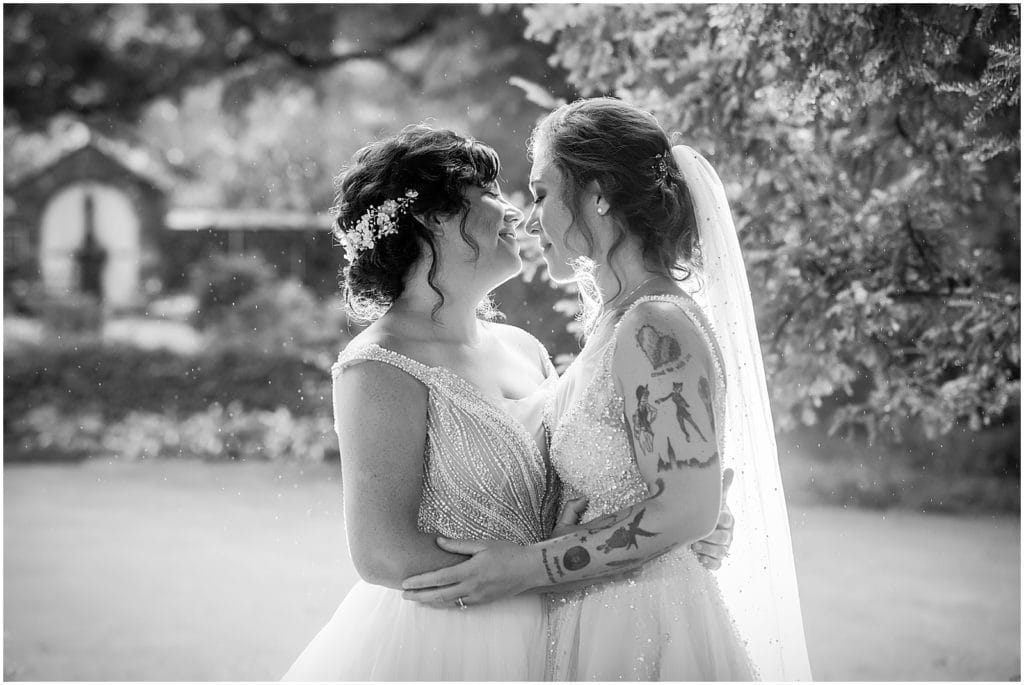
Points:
x=394 y=335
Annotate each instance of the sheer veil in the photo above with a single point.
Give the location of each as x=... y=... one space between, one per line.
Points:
x=758 y=579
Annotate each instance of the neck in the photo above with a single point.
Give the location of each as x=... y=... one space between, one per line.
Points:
x=634 y=278
x=455 y=320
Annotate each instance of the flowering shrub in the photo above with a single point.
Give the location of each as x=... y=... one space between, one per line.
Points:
x=113 y=381
x=217 y=433
x=282 y=317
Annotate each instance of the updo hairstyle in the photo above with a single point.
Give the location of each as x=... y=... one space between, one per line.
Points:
x=436 y=163
x=628 y=154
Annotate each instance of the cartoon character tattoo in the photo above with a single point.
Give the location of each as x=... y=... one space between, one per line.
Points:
x=683 y=415
x=602 y=523
x=626 y=537
x=643 y=417
x=704 y=390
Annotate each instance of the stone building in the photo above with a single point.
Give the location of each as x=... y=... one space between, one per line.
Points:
x=95 y=219
x=89 y=220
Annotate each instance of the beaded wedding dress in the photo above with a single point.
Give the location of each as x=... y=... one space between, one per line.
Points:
x=666 y=621
x=674 y=620
x=485 y=477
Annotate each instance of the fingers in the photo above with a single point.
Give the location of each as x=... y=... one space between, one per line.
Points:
x=440 y=597
x=710 y=550
x=571 y=511
x=718 y=537
x=469 y=547
x=710 y=563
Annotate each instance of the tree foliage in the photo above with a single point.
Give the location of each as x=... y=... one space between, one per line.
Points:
x=871 y=153
x=113 y=61
x=260 y=105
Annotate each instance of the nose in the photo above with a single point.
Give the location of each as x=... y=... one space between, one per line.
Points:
x=533 y=223
x=513 y=215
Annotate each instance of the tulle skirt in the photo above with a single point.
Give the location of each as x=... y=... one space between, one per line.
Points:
x=666 y=622
x=377 y=635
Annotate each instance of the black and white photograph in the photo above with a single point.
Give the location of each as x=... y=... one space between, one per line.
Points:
x=505 y=342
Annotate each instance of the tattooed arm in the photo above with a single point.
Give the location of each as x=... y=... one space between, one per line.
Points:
x=382 y=472
x=664 y=371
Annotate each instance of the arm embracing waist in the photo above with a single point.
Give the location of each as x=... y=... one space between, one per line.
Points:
x=619 y=542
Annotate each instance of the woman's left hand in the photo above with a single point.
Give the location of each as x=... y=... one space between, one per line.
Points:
x=713 y=549
x=495 y=570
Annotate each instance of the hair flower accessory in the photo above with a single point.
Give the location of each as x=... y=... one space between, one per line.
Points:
x=660 y=168
x=376 y=222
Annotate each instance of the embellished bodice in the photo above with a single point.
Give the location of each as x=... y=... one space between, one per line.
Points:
x=590 y=447
x=485 y=471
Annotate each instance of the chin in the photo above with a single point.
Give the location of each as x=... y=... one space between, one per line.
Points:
x=508 y=271
x=516 y=268
x=560 y=272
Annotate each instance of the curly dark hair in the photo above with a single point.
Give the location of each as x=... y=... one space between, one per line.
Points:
x=436 y=163
x=628 y=154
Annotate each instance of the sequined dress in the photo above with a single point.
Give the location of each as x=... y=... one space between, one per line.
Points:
x=486 y=476
x=667 y=621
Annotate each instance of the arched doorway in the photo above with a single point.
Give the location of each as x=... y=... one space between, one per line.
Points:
x=89 y=237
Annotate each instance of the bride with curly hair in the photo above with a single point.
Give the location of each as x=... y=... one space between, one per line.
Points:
x=667 y=392
x=438 y=410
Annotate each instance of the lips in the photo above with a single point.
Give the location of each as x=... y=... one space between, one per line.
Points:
x=511 y=235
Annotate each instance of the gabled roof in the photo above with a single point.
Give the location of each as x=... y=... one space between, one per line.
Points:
x=135 y=160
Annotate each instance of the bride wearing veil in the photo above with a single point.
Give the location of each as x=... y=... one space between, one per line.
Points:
x=668 y=391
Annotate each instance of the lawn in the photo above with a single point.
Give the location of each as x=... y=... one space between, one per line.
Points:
x=180 y=571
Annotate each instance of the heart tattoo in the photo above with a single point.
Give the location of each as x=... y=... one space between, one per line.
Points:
x=660 y=349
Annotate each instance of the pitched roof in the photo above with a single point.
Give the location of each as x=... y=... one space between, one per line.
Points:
x=134 y=159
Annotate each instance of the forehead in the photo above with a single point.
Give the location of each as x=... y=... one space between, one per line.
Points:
x=543 y=171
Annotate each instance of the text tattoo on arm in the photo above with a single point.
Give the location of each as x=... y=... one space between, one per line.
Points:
x=547 y=566
x=625 y=536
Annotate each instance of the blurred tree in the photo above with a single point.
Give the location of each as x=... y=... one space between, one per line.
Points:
x=871 y=153
x=261 y=104
x=114 y=60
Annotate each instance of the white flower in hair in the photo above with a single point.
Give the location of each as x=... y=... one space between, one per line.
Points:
x=373 y=224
